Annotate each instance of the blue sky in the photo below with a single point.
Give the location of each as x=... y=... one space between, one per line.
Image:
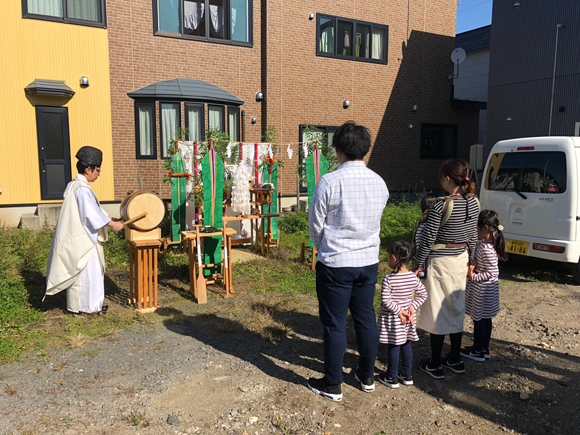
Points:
x=472 y=14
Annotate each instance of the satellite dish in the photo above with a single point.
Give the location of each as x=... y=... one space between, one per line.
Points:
x=458 y=56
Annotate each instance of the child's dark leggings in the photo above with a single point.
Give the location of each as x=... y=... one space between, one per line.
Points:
x=481 y=334
x=407 y=355
x=437 y=347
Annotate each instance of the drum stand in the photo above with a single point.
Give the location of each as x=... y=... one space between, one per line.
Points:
x=143 y=274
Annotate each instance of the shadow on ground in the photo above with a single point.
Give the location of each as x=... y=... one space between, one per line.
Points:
x=490 y=390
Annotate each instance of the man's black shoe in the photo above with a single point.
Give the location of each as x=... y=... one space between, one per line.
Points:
x=366 y=384
x=330 y=392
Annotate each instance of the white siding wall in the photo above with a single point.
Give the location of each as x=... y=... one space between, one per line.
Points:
x=471 y=84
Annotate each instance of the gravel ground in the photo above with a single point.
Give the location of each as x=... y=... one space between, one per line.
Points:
x=194 y=373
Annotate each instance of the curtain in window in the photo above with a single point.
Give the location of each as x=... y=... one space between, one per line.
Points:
x=193 y=15
x=215 y=118
x=378 y=43
x=52 y=8
x=233 y=125
x=326 y=35
x=169 y=125
x=168 y=19
x=194 y=123
x=89 y=10
x=146 y=141
x=240 y=31
x=216 y=15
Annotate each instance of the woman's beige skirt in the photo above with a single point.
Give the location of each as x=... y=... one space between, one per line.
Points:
x=444 y=309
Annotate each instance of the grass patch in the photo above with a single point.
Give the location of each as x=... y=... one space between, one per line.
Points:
x=138 y=419
x=90 y=353
x=398 y=222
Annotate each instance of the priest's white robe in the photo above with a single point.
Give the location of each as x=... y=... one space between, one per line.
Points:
x=76 y=260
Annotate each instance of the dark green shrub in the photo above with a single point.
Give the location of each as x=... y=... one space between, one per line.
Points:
x=398 y=222
x=15 y=306
x=294 y=223
x=117 y=250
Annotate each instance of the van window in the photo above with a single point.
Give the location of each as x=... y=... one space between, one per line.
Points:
x=531 y=171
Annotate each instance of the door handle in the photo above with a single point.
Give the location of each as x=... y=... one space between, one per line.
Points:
x=43 y=164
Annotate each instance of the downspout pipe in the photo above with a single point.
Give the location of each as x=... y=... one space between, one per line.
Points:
x=558 y=27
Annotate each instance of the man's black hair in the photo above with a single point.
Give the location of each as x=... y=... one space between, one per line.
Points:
x=353 y=140
x=82 y=167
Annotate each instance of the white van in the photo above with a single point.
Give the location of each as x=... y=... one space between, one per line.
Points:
x=533 y=184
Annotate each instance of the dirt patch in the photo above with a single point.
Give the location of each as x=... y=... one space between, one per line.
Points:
x=240 y=366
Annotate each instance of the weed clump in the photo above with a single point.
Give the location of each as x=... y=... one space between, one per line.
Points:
x=295 y=223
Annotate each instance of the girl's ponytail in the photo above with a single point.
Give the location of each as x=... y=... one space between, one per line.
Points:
x=468 y=185
x=491 y=219
x=499 y=243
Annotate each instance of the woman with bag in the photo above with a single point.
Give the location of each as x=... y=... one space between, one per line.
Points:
x=450 y=232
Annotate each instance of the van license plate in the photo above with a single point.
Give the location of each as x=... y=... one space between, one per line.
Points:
x=517 y=247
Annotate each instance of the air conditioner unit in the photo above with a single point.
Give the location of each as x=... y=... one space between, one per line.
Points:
x=476 y=157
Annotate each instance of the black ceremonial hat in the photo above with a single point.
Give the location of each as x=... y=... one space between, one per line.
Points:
x=90 y=156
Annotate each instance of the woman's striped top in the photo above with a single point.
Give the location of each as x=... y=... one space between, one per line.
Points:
x=399 y=292
x=482 y=292
x=461 y=227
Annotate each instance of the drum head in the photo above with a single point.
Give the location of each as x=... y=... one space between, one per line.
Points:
x=142 y=202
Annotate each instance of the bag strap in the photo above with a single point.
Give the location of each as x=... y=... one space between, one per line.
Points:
x=448 y=206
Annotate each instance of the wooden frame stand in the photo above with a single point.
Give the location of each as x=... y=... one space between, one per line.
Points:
x=263 y=242
x=191 y=238
x=312 y=255
x=143 y=274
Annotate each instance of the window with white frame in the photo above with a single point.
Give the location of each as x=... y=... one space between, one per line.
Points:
x=227 y=21
x=84 y=12
x=351 y=39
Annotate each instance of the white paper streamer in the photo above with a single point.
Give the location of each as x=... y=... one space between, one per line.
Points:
x=229 y=150
x=290 y=151
x=241 y=191
x=305 y=150
x=270 y=153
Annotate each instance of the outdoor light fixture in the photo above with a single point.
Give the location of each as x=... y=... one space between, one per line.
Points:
x=410 y=126
x=415 y=107
x=509 y=119
x=84 y=82
x=253 y=119
x=346 y=104
x=259 y=96
x=310 y=16
x=516 y=4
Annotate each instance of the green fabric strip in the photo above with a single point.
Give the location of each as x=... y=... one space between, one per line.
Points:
x=212 y=245
x=178 y=195
x=310 y=176
x=272 y=178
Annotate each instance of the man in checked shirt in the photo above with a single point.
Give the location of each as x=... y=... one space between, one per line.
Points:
x=344 y=224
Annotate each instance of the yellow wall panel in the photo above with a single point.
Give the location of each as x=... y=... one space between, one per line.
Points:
x=35 y=49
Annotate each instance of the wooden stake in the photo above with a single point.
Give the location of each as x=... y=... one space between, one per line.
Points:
x=201 y=289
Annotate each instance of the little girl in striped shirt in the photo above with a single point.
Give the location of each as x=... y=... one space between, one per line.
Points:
x=482 y=292
x=402 y=294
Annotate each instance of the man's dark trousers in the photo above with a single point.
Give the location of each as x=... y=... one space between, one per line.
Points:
x=340 y=289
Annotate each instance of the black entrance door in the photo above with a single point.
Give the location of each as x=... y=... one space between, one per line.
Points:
x=53 y=150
